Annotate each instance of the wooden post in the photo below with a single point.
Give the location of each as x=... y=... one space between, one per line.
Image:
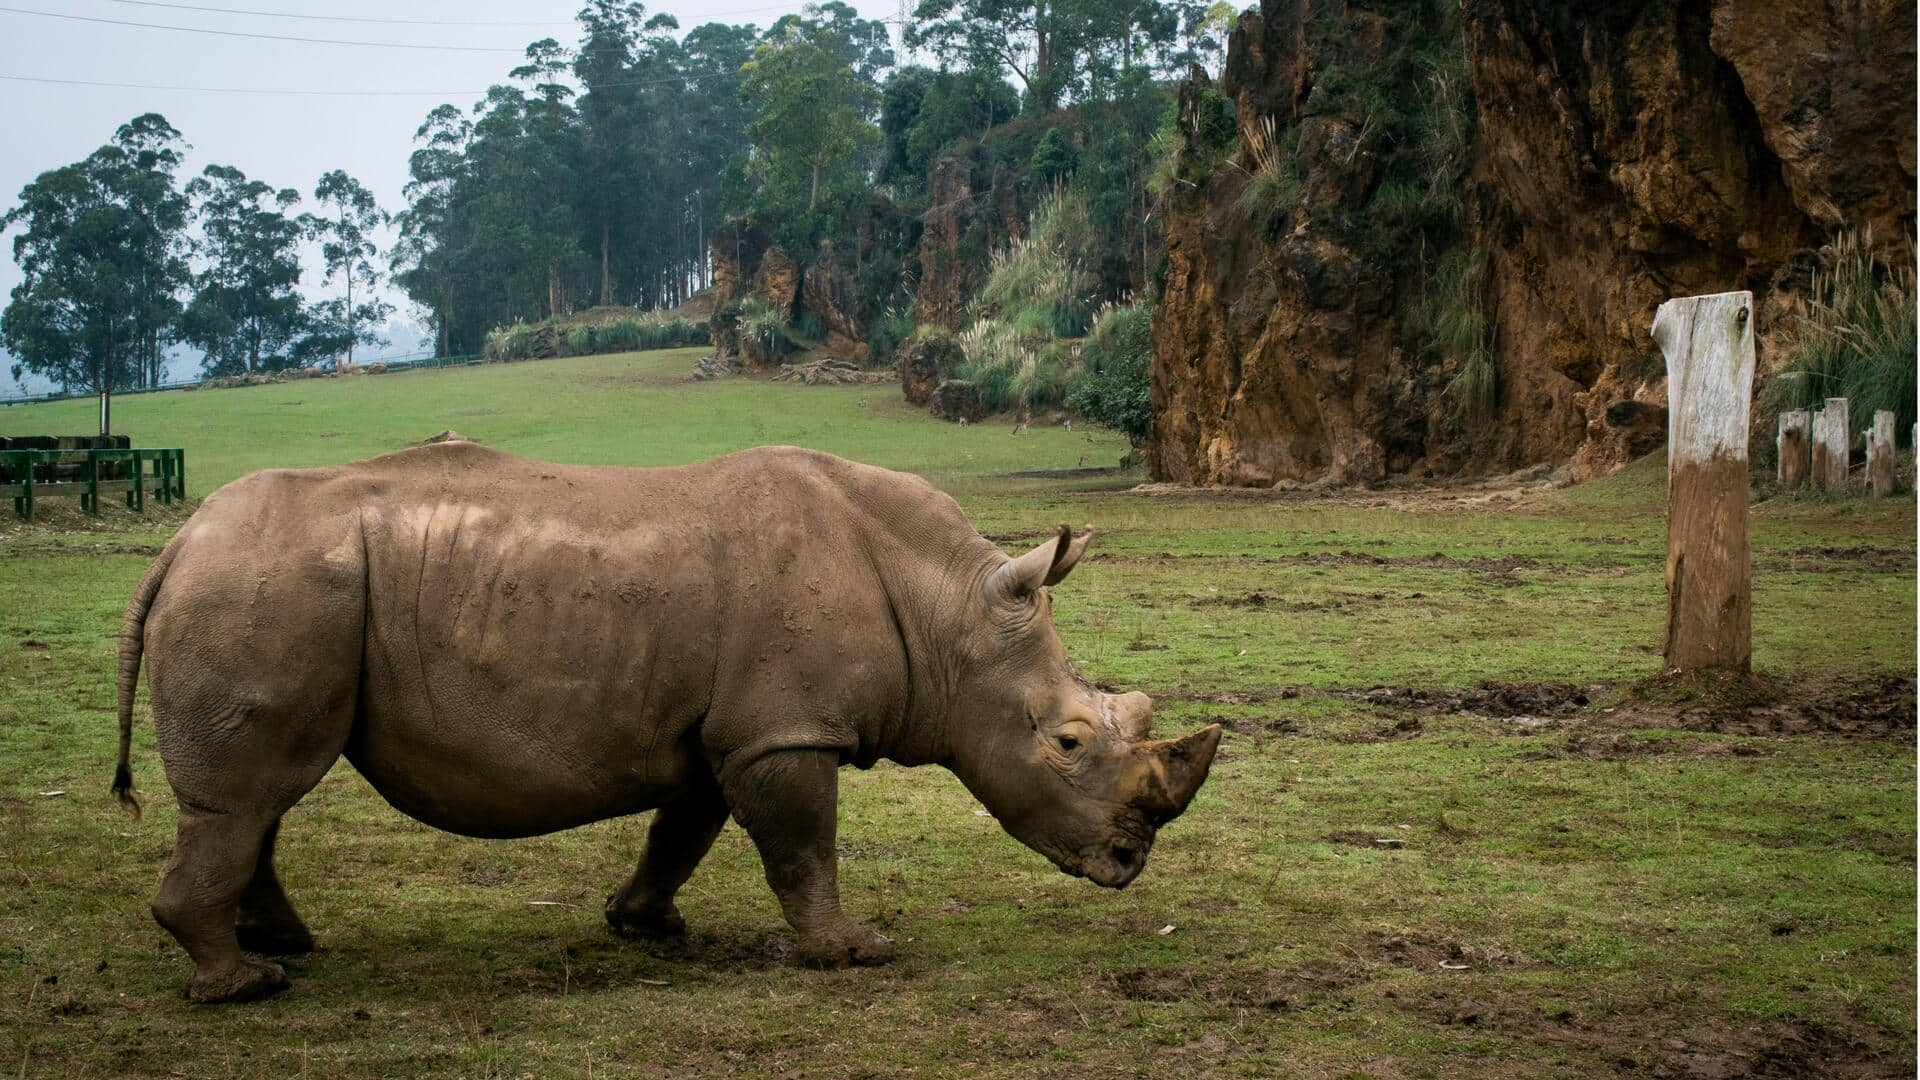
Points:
x=1830 y=443
x=1791 y=448
x=1880 y=453
x=1708 y=343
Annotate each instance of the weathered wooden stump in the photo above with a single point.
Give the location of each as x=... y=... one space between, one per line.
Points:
x=1830 y=444
x=1708 y=343
x=1791 y=448
x=1880 y=453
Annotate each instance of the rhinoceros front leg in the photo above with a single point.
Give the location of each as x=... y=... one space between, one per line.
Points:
x=682 y=832
x=788 y=801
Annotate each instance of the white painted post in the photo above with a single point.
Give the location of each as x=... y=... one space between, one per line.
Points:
x=1790 y=446
x=1708 y=343
x=1880 y=453
x=1830 y=443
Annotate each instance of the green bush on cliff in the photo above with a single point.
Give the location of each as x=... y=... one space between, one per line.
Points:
x=1112 y=385
x=1450 y=321
x=1854 y=338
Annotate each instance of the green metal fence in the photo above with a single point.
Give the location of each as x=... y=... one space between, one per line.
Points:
x=29 y=475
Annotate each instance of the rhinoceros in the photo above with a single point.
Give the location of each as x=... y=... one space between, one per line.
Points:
x=505 y=647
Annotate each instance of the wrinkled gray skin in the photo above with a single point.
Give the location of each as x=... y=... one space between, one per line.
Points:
x=505 y=647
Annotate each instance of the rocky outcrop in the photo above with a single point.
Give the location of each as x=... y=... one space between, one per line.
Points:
x=929 y=357
x=1620 y=154
x=827 y=291
x=949 y=276
x=957 y=400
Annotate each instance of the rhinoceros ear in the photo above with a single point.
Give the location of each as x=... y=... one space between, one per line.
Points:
x=1044 y=565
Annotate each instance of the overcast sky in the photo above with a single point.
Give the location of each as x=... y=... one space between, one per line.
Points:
x=284 y=139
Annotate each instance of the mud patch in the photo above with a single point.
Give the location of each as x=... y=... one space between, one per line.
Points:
x=1253 y=725
x=1859 y=558
x=1795 y=1048
x=1726 y=703
x=54 y=551
x=1270 y=991
x=1496 y=700
x=1504 y=566
x=1092 y=473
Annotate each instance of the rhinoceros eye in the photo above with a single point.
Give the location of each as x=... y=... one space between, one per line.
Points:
x=1069 y=743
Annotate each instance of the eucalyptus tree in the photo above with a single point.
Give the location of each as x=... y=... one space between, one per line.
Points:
x=100 y=251
x=246 y=313
x=345 y=229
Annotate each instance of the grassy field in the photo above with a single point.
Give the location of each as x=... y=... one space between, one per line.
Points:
x=1449 y=831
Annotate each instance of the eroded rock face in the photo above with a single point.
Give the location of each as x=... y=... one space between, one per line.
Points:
x=827 y=291
x=959 y=400
x=1623 y=154
x=948 y=276
x=925 y=360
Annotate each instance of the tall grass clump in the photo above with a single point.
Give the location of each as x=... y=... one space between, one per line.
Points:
x=580 y=341
x=1039 y=280
x=1113 y=385
x=1854 y=337
x=1273 y=178
x=509 y=342
x=763 y=331
x=1453 y=321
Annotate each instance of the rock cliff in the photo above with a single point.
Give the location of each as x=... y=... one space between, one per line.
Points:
x=1520 y=181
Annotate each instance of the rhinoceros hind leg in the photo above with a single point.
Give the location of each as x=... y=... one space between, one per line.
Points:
x=680 y=836
x=788 y=802
x=268 y=925
x=213 y=859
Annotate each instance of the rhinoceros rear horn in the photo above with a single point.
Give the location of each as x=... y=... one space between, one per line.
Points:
x=1175 y=769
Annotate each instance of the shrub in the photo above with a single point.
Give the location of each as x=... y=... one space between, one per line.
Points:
x=580 y=341
x=509 y=342
x=1052 y=158
x=1113 y=386
x=1854 y=338
x=888 y=333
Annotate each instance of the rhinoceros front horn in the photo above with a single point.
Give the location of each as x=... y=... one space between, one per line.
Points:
x=1175 y=769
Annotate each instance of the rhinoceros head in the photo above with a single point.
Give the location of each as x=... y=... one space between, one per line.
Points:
x=1068 y=769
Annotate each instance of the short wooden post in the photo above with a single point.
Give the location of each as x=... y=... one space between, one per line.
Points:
x=1880 y=453
x=1708 y=343
x=1830 y=445
x=92 y=499
x=1790 y=446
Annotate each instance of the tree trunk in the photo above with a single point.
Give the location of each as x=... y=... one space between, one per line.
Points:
x=606 y=278
x=1708 y=343
x=813 y=194
x=347 y=315
x=554 y=299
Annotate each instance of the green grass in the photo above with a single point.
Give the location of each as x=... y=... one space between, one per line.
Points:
x=1678 y=896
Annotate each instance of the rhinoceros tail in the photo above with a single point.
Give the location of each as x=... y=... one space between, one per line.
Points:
x=133 y=633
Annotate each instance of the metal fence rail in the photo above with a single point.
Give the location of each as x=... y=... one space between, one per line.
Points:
x=415 y=363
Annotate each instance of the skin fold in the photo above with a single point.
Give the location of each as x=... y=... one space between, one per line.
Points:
x=506 y=647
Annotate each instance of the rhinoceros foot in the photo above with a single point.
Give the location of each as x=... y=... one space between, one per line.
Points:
x=249 y=980
x=645 y=923
x=843 y=944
